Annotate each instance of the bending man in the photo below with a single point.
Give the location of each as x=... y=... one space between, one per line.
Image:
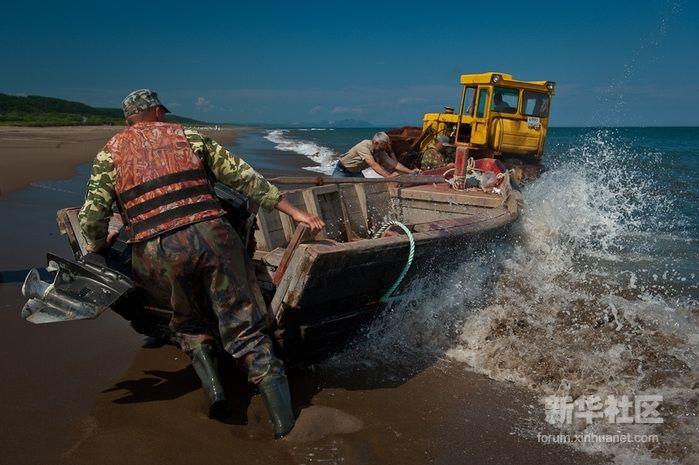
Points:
x=156 y=171
x=375 y=154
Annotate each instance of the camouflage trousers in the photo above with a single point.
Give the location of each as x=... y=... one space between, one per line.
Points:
x=212 y=287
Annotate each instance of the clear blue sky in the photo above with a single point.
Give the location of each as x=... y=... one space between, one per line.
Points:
x=616 y=63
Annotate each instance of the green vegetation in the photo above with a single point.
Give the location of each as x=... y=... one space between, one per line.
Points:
x=35 y=110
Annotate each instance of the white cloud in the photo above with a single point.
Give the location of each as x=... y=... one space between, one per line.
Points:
x=203 y=105
x=316 y=109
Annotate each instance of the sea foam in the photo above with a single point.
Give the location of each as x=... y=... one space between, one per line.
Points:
x=580 y=300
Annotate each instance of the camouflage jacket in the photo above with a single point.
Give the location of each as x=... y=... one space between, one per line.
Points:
x=226 y=167
x=433 y=159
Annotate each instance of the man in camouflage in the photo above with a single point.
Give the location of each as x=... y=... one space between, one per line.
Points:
x=435 y=155
x=183 y=246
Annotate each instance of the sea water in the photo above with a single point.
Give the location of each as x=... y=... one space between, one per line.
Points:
x=592 y=296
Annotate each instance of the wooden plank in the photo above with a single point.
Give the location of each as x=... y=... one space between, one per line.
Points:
x=271 y=258
x=302 y=233
x=69 y=225
x=414 y=216
x=356 y=218
x=475 y=197
x=72 y=229
x=320 y=190
x=276 y=228
x=355 y=223
x=329 y=180
x=452 y=223
x=296 y=199
x=378 y=202
x=452 y=209
x=312 y=206
x=325 y=202
x=360 y=190
x=332 y=213
x=271 y=233
x=292 y=282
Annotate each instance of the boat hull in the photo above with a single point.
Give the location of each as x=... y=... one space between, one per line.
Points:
x=323 y=289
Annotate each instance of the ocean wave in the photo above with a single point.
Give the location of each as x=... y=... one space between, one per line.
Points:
x=565 y=319
x=581 y=300
x=324 y=157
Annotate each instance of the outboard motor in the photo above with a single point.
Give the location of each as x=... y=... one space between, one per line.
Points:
x=81 y=290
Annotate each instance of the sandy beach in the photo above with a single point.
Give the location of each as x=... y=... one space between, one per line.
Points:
x=32 y=154
x=86 y=393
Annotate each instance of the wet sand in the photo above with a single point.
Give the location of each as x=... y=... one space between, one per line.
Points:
x=32 y=154
x=86 y=393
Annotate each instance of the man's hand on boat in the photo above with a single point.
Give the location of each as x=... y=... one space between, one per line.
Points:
x=300 y=216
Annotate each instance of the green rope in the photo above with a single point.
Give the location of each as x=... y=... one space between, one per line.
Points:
x=387 y=296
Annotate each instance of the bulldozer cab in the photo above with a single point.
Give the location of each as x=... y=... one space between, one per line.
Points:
x=498 y=116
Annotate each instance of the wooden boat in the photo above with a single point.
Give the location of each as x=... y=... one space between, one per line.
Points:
x=319 y=290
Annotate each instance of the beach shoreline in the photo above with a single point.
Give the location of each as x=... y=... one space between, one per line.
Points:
x=30 y=154
x=85 y=392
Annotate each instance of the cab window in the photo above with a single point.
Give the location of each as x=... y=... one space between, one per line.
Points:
x=535 y=103
x=505 y=100
x=469 y=100
x=482 y=99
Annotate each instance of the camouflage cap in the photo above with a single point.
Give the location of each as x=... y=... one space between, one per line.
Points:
x=141 y=100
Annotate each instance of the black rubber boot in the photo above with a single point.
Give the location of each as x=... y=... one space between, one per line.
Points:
x=275 y=392
x=203 y=362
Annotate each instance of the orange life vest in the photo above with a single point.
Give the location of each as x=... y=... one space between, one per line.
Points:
x=160 y=182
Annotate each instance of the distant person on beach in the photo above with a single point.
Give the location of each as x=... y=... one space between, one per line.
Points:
x=435 y=155
x=376 y=154
x=500 y=105
x=157 y=173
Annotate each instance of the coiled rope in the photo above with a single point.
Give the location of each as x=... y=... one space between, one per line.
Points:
x=388 y=295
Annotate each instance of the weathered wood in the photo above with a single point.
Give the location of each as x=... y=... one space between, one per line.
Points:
x=292 y=282
x=441 y=195
x=378 y=204
x=301 y=233
x=355 y=223
x=411 y=215
x=343 y=275
x=271 y=233
x=312 y=206
x=323 y=180
x=296 y=199
x=69 y=225
x=327 y=202
x=463 y=222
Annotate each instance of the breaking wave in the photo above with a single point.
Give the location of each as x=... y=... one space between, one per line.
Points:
x=323 y=157
x=591 y=294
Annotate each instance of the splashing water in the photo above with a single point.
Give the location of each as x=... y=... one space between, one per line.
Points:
x=583 y=299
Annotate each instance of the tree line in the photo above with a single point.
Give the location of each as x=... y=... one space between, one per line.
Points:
x=35 y=110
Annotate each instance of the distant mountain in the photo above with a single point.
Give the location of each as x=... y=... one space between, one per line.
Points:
x=34 y=110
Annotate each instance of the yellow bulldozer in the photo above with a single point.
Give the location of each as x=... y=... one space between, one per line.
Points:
x=498 y=117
